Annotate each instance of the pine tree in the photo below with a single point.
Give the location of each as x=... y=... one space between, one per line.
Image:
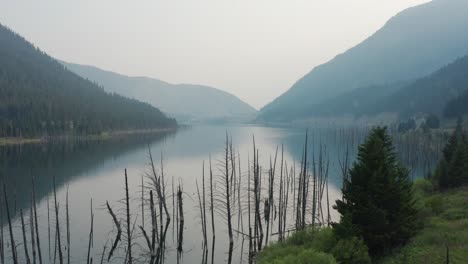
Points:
x=377 y=202
x=457 y=171
x=457 y=136
x=453 y=168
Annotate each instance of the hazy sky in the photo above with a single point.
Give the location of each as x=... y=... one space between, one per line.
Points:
x=255 y=49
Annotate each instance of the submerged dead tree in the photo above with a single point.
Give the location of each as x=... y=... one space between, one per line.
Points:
x=180 y=236
x=36 y=223
x=212 y=215
x=91 y=234
x=10 y=228
x=129 y=235
x=119 y=231
x=25 y=241
x=57 y=224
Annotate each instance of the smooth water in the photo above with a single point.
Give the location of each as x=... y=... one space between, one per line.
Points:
x=95 y=170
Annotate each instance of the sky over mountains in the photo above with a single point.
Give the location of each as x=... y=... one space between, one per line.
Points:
x=253 y=49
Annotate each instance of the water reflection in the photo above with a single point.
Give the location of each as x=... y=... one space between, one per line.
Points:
x=65 y=161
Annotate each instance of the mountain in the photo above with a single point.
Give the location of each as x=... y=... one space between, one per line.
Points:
x=429 y=94
x=40 y=97
x=426 y=95
x=412 y=44
x=185 y=102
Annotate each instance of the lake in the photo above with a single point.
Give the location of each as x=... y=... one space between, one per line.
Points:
x=95 y=170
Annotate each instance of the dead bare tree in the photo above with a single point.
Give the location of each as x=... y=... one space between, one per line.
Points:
x=25 y=241
x=119 y=231
x=36 y=223
x=31 y=227
x=91 y=233
x=10 y=227
x=57 y=224
x=68 y=228
x=127 y=206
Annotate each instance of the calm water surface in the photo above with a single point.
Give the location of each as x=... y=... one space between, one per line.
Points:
x=96 y=170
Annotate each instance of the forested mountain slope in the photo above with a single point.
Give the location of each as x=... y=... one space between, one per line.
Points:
x=185 y=102
x=40 y=97
x=429 y=94
x=411 y=45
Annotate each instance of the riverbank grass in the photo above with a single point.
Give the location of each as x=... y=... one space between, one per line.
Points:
x=445 y=225
x=443 y=217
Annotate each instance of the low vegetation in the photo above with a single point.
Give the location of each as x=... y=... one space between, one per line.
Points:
x=387 y=219
x=444 y=215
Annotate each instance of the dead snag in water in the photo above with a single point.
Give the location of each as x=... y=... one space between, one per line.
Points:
x=57 y=224
x=104 y=252
x=142 y=203
x=127 y=205
x=201 y=219
x=281 y=197
x=91 y=233
x=212 y=214
x=10 y=228
x=48 y=228
x=239 y=204
x=181 y=219
x=36 y=223
x=68 y=228
x=154 y=228
x=119 y=231
x=228 y=195
x=25 y=241
x=31 y=227
x=204 y=209
x=249 y=211
x=270 y=201
x=258 y=229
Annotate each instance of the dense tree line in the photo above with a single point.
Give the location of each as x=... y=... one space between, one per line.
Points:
x=40 y=97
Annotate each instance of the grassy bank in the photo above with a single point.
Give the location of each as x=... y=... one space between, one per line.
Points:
x=444 y=222
x=444 y=217
x=102 y=136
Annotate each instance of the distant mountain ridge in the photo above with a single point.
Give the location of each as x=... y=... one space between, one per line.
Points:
x=429 y=94
x=185 y=102
x=413 y=44
x=40 y=97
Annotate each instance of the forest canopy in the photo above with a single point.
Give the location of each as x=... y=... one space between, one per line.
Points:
x=40 y=97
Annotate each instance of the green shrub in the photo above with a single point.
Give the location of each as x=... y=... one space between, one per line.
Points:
x=301 y=238
x=308 y=256
x=351 y=251
x=324 y=240
x=454 y=214
x=423 y=186
x=436 y=204
x=301 y=245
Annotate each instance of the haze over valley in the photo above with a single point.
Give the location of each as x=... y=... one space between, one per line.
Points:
x=259 y=132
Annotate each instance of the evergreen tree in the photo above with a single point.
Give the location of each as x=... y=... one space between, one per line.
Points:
x=457 y=171
x=457 y=137
x=453 y=168
x=377 y=202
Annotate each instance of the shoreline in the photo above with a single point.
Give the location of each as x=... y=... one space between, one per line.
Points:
x=10 y=141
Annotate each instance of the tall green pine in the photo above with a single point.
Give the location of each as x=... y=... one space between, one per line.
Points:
x=453 y=168
x=377 y=202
